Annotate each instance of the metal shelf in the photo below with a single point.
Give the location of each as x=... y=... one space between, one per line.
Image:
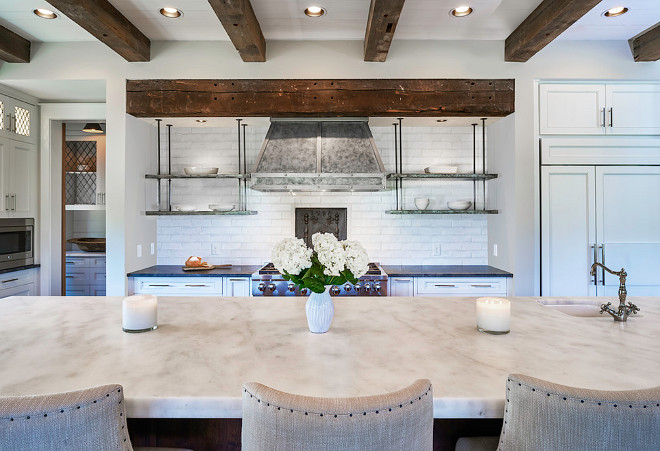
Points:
x=200 y=213
x=205 y=176
x=424 y=175
x=442 y=212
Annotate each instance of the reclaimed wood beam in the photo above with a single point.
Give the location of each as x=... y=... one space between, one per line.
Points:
x=321 y=98
x=550 y=19
x=383 y=17
x=108 y=25
x=13 y=48
x=646 y=45
x=242 y=26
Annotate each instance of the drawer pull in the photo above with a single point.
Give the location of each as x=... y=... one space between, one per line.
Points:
x=198 y=285
x=159 y=285
x=446 y=285
x=70 y=263
x=481 y=286
x=69 y=277
x=9 y=280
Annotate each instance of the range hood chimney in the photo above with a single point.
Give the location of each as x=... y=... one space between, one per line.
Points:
x=326 y=154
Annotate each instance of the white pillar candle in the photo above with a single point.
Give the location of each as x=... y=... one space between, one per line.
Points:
x=494 y=315
x=138 y=313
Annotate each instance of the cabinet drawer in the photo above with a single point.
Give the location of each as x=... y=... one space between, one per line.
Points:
x=76 y=278
x=97 y=290
x=179 y=286
x=96 y=276
x=97 y=262
x=72 y=263
x=460 y=287
x=14 y=279
x=77 y=291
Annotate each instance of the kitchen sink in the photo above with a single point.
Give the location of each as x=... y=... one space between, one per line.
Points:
x=575 y=307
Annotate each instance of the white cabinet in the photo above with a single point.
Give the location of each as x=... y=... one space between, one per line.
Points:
x=599 y=109
x=461 y=286
x=236 y=286
x=19 y=283
x=608 y=214
x=19 y=171
x=401 y=286
x=18 y=120
x=178 y=286
x=85 y=276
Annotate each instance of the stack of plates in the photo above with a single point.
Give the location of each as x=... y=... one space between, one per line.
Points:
x=438 y=169
x=193 y=170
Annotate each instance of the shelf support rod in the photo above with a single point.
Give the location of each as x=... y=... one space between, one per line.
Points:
x=400 y=169
x=158 y=121
x=474 y=165
x=396 y=166
x=243 y=182
x=483 y=155
x=240 y=186
x=169 y=166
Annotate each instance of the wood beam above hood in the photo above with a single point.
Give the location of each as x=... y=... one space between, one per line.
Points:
x=646 y=46
x=383 y=17
x=13 y=48
x=242 y=26
x=108 y=25
x=320 y=98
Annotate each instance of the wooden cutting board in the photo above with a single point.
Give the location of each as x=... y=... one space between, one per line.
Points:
x=205 y=268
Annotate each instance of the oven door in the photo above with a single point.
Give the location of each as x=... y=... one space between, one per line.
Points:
x=16 y=246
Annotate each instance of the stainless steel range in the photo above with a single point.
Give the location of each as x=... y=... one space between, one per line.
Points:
x=268 y=281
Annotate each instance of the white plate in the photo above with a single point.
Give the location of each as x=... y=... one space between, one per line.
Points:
x=216 y=207
x=200 y=171
x=185 y=207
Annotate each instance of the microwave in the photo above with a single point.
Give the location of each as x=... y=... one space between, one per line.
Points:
x=16 y=242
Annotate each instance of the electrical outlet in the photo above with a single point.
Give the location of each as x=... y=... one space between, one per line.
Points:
x=216 y=249
x=494 y=250
x=153 y=248
x=436 y=249
x=139 y=250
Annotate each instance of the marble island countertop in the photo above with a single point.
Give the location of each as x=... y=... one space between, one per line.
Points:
x=194 y=364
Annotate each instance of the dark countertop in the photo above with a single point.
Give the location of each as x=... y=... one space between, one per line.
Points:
x=176 y=271
x=20 y=268
x=445 y=271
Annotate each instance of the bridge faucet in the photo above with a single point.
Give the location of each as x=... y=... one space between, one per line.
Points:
x=624 y=310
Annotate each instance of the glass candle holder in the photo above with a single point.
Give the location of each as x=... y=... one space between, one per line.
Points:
x=139 y=313
x=494 y=315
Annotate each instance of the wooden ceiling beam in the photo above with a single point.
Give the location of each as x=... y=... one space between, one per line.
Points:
x=383 y=18
x=242 y=26
x=550 y=19
x=320 y=98
x=108 y=25
x=646 y=45
x=13 y=48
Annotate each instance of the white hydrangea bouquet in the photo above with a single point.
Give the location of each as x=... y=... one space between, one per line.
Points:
x=331 y=262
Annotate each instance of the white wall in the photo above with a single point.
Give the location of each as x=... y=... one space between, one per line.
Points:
x=314 y=59
x=389 y=239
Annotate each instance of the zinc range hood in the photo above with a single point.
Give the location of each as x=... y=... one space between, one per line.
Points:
x=327 y=154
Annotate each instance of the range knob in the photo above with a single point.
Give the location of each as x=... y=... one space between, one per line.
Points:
x=377 y=286
x=335 y=290
x=271 y=287
x=291 y=287
x=348 y=287
x=367 y=287
x=261 y=287
x=304 y=291
x=357 y=287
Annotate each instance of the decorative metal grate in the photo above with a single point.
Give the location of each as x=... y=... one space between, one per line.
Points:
x=2 y=115
x=80 y=173
x=22 y=118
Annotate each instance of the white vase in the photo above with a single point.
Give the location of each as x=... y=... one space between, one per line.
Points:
x=320 y=311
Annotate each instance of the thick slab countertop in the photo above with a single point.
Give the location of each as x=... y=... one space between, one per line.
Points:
x=204 y=349
x=444 y=271
x=176 y=271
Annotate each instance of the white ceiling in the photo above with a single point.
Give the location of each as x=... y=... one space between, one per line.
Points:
x=345 y=19
x=91 y=91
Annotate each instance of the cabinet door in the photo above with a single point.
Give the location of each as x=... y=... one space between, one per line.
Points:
x=633 y=109
x=628 y=228
x=237 y=286
x=572 y=109
x=21 y=290
x=23 y=169
x=5 y=191
x=100 y=169
x=402 y=286
x=568 y=230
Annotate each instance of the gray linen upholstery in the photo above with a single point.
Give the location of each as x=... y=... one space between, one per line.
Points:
x=477 y=444
x=90 y=419
x=540 y=415
x=275 y=420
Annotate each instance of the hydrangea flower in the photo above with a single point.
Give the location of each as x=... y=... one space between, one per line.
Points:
x=291 y=255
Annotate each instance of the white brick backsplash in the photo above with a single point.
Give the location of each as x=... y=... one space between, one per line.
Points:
x=389 y=239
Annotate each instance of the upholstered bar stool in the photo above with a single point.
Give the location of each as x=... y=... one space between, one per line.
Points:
x=275 y=420
x=89 y=419
x=540 y=415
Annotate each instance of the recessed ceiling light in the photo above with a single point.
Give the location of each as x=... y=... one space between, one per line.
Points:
x=314 y=11
x=613 y=12
x=170 y=12
x=461 y=11
x=201 y=121
x=45 y=13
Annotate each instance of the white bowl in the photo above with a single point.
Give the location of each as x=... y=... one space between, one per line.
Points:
x=185 y=207
x=220 y=207
x=200 y=171
x=421 y=203
x=441 y=169
x=459 y=204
